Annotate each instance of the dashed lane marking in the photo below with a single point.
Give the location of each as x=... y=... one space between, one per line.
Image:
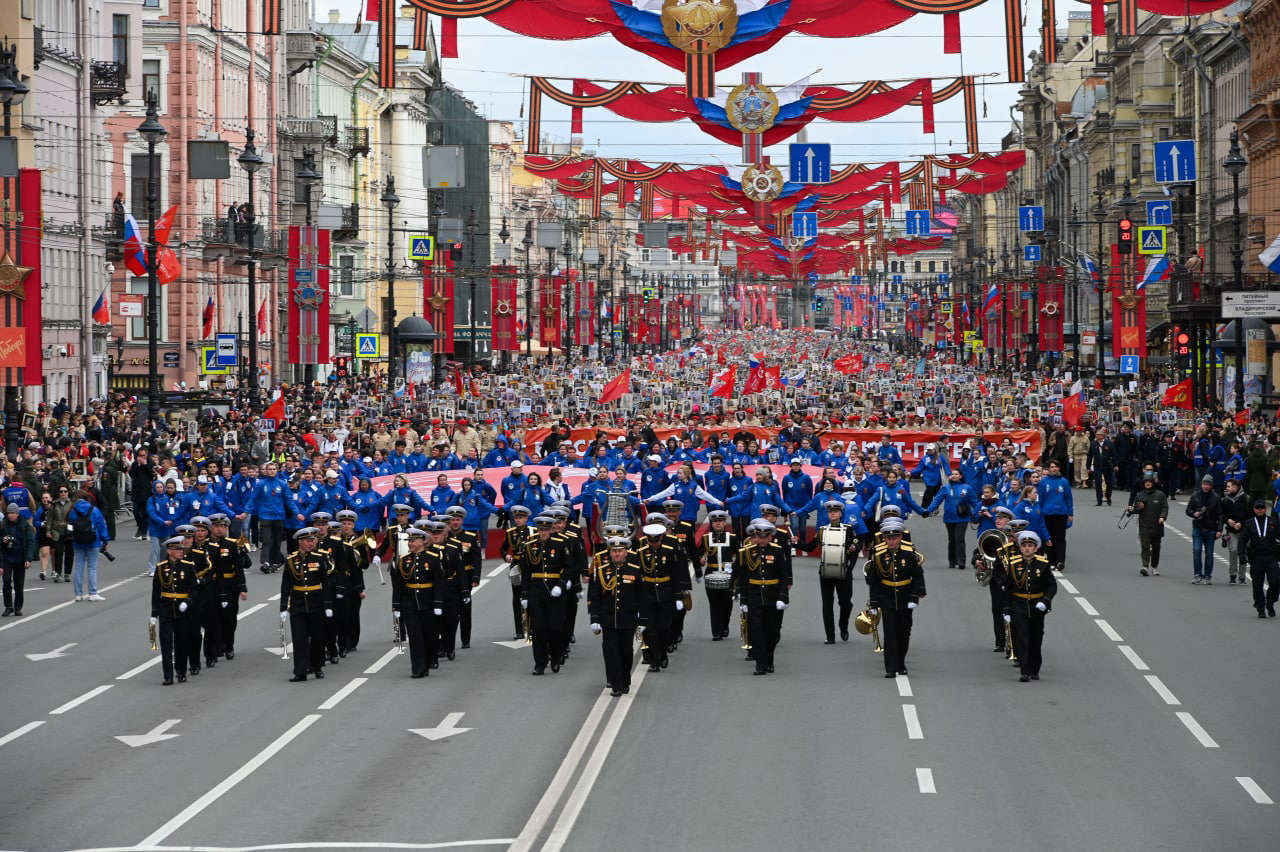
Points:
x=76 y=702
x=350 y=687
x=1255 y=792
x=1086 y=606
x=1132 y=656
x=1107 y=630
x=23 y=731
x=1196 y=730
x=924 y=780
x=1163 y=691
x=904 y=686
x=912 y=718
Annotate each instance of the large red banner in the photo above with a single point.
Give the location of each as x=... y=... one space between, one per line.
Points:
x=1128 y=309
x=502 y=295
x=673 y=320
x=308 y=295
x=584 y=318
x=549 y=308
x=20 y=310
x=1052 y=304
x=653 y=321
x=437 y=295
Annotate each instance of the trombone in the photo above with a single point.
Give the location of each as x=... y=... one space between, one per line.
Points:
x=284 y=643
x=151 y=634
x=395 y=634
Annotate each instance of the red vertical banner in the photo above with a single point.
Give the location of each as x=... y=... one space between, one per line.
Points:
x=20 y=288
x=584 y=319
x=1128 y=310
x=1052 y=301
x=502 y=295
x=653 y=321
x=635 y=320
x=308 y=295
x=437 y=297
x=549 y=310
x=673 y=320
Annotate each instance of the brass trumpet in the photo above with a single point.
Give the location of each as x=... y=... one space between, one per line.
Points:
x=528 y=631
x=395 y=634
x=1009 y=653
x=151 y=634
x=644 y=646
x=284 y=643
x=743 y=633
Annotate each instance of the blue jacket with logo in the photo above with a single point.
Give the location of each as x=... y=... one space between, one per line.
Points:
x=272 y=500
x=1055 y=496
x=951 y=497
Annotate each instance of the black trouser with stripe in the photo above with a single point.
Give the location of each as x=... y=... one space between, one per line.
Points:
x=897 y=637
x=173 y=644
x=842 y=590
x=765 y=623
x=420 y=630
x=720 y=606
x=619 y=656
x=307 y=630
x=1028 y=636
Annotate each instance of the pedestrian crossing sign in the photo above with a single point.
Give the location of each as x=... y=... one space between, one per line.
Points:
x=422 y=247
x=209 y=362
x=1151 y=239
x=368 y=345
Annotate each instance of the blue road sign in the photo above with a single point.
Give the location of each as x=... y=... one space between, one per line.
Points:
x=1160 y=212
x=944 y=277
x=226 y=348
x=855 y=280
x=812 y=278
x=880 y=304
x=1031 y=253
x=1176 y=160
x=304 y=276
x=1129 y=364
x=422 y=247
x=810 y=163
x=918 y=223
x=897 y=279
x=1031 y=218
x=368 y=345
x=804 y=226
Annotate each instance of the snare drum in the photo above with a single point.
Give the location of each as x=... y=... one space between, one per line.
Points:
x=718 y=580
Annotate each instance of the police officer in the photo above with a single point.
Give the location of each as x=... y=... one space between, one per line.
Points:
x=229 y=560
x=896 y=582
x=546 y=577
x=171 y=589
x=717 y=554
x=1031 y=589
x=762 y=576
x=306 y=602
x=613 y=607
x=1260 y=541
x=512 y=541
x=417 y=582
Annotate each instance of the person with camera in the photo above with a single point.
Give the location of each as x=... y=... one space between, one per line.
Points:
x=959 y=506
x=1151 y=507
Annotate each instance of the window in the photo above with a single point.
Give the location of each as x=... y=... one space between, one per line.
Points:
x=138 y=185
x=120 y=41
x=151 y=80
x=1135 y=160
x=346 y=275
x=918 y=266
x=946 y=266
x=933 y=266
x=151 y=4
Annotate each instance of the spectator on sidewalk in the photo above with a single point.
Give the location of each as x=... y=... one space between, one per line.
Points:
x=1205 y=511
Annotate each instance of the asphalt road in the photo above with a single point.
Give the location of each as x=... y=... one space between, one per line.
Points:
x=1152 y=728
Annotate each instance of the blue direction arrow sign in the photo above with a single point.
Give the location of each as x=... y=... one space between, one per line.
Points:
x=1160 y=212
x=918 y=223
x=810 y=163
x=1031 y=253
x=804 y=225
x=1129 y=365
x=1031 y=218
x=1176 y=160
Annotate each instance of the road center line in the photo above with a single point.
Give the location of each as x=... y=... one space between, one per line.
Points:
x=1107 y=629
x=501 y=569
x=336 y=699
x=1163 y=691
x=914 y=731
x=1196 y=730
x=24 y=730
x=140 y=668
x=229 y=782
x=1251 y=787
x=57 y=607
x=924 y=780
x=1085 y=605
x=250 y=611
x=76 y=702
x=1067 y=586
x=1132 y=656
x=381 y=663
x=904 y=687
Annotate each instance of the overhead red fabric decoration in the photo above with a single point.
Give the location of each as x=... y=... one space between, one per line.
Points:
x=448 y=38
x=503 y=309
x=308 y=295
x=437 y=300
x=951 y=33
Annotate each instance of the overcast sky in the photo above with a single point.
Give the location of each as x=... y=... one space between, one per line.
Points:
x=489 y=56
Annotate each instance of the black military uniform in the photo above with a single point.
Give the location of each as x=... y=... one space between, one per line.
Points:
x=840 y=588
x=172 y=586
x=363 y=549
x=455 y=588
x=1030 y=582
x=718 y=552
x=763 y=578
x=579 y=565
x=205 y=599
x=472 y=556
x=229 y=561
x=1260 y=542
x=348 y=583
x=306 y=594
x=417 y=583
x=613 y=604
x=512 y=542
x=896 y=582
x=658 y=561
x=546 y=577
x=681 y=536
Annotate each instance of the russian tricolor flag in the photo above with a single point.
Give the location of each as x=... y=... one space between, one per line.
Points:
x=993 y=295
x=1157 y=270
x=1087 y=264
x=102 y=308
x=135 y=256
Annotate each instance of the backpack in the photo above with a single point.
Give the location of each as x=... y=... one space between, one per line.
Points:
x=82 y=531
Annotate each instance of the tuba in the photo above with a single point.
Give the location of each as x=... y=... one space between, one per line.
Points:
x=991 y=548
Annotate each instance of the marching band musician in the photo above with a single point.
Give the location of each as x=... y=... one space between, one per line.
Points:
x=763 y=578
x=320 y=520
x=204 y=598
x=360 y=547
x=681 y=534
x=613 y=607
x=1031 y=589
x=656 y=558
x=472 y=555
x=516 y=535
x=545 y=578
x=716 y=555
x=394 y=541
x=1003 y=517
x=348 y=588
x=306 y=603
x=896 y=583
x=781 y=537
x=455 y=587
x=229 y=562
x=570 y=535
x=837 y=534
x=171 y=589
x=416 y=588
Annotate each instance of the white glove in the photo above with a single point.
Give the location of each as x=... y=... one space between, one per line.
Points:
x=579 y=595
x=679 y=606
x=438 y=611
x=339 y=597
x=744 y=609
x=1008 y=619
x=224 y=604
x=728 y=569
x=556 y=591
x=154 y=621
x=1040 y=606
x=328 y=613
x=781 y=605
x=395 y=613
x=698 y=580
x=377 y=562
x=873 y=611
x=595 y=628
x=284 y=616
x=182 y=607
x=524 y=604
x=912 y=605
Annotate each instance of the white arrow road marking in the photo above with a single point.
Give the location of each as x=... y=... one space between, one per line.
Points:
x=155 y=735
x=51 y=655
x=276 y=650
x=513 y=643
x=442 y=731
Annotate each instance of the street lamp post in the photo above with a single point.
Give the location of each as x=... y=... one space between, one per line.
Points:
x=309 y=177
x=472 y=229
x=390 y=200
x=527 y=242
x=12 y=93
x=153 y=134
x=251 y=161
x=1235 y=164
x=1100 y=216
x=566 y=249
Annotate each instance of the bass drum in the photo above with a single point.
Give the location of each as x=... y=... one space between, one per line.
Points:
x=831 y=564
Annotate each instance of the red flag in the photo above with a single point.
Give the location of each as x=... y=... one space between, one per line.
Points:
x=617 y=387
x=723 y=384
x=275 y=411
x=168 y=267
x=1242 y=417
x=262 y=318
x=102 y=308
x=755 y=382
x=1072 y=410
x=164 y=225
x=848 y=363
x=1178 y=396
x=207 y=316
x=720 y=359
x=457 y=381
x=772 y=378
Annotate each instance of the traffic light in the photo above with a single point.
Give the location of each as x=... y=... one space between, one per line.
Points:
x=340 y=368
x=1124 y=237
x=455 y=252
x=1181 y=341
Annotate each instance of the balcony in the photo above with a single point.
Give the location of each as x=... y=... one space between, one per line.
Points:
x=106 y=83
x=300 y=50
x=111 y=232
x=357 y=139
x=321 y=130
x=349 y=230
